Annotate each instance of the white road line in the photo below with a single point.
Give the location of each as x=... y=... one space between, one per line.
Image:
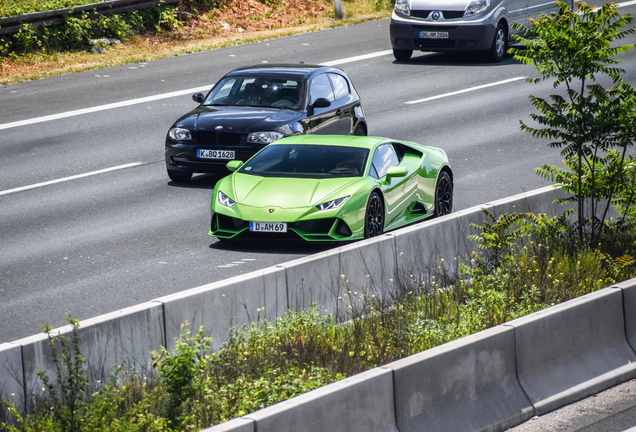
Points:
x=464 y=90
x=50 y=182
x=103 y=107
x=357 y=58
x=629 y=3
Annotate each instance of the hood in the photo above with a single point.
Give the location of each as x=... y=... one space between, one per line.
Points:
x=237 y=119
x=452 y=5
x=255 y=191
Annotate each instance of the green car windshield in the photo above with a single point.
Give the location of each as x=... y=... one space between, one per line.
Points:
x=307 y=161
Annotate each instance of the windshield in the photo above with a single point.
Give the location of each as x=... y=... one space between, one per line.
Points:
x=307 y=161
x=259 y=91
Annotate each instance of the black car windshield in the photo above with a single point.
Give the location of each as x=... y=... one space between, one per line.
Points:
x=259 y=91
x=307 y=161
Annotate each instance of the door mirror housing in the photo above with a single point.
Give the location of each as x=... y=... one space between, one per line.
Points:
x=234 y=165
x=321 y=103
x=395 y=172
x=198 y=97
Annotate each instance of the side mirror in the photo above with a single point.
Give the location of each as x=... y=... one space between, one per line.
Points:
x=198 y=97
x=233 y=165
x=396 y=172
x=321 y=103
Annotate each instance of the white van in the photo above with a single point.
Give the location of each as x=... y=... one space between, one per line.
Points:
x=461 y=25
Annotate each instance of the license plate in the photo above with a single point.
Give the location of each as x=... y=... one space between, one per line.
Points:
x=279 y=227
x=215 y=154
x=433 y=35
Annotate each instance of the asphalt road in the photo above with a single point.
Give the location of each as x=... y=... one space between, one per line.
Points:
x=94 y=244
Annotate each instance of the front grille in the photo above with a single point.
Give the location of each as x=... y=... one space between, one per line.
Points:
x=434 y=43
x=447 y=14
x=434 y=27
x=224 y=138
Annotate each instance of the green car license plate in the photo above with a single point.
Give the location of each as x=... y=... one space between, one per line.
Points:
x=279 y=227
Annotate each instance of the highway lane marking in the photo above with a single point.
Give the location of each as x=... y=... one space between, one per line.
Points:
x=103 y=107
x=629 y=3
x=357 y=58
x=50 y=182
x=465 y=90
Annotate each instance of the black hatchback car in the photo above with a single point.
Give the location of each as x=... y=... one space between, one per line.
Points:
x=253 y=106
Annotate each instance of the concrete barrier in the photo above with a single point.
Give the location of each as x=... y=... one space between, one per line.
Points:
x=466 y=385
x=573 y=350
x=435 y=247
x=222 y=305
x=11 y=378
x=629 y=308
x=236 y=425
x=537 y=201
x=361 y=403
x=122 y=338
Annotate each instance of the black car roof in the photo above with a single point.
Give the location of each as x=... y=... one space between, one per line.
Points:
x=287 y=70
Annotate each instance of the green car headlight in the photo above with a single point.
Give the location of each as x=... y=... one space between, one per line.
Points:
x=329 y=205
x=225 y=200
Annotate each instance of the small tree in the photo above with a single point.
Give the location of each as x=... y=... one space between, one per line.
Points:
x=573 y=48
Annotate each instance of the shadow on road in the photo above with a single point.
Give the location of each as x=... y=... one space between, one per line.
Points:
x=270 y=246
x=455 y=59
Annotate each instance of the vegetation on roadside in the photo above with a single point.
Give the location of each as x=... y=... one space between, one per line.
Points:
x=527 y=262
x=88 y=41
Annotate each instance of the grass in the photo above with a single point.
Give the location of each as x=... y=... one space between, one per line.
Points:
x=194 y=35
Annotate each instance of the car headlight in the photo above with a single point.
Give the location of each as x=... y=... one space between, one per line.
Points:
x=225 y=200
x=476 y=7
x=264 y=137
x=329 y=205
x=180 y=134
x=403 y=7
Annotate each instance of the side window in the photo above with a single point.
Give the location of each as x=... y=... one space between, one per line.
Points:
x=320 y=88
x=340 y=86
x=384 y=158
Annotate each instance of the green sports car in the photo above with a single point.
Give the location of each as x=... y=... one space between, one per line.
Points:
x=331 y=188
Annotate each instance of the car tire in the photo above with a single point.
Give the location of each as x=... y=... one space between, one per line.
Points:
x=374 y=216
x=402 y=55
x=360 y=131
x=179 y=176
x=499 y=44
x=443 y=195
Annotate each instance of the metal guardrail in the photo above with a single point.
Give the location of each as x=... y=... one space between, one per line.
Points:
x=38 y=19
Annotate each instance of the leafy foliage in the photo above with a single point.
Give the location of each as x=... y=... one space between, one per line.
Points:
x=588 y=122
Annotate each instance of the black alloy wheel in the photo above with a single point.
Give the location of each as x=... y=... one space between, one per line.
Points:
x=360 y=131
x=443 y=195
x=179 y=176
x=374 y=216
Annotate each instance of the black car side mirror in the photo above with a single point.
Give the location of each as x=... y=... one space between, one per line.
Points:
x=321 y=103
x=198 y=97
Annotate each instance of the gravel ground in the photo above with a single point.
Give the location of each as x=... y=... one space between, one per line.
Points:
x=608 y=411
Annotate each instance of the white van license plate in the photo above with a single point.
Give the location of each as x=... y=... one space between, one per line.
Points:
x=433 y=35
x=279 y=227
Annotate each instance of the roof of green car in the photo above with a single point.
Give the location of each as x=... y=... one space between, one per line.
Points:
x=333 y=140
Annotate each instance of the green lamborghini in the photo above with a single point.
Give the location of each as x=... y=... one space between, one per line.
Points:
x=331 y=188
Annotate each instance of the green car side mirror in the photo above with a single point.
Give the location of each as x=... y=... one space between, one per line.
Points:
x=233 y=165
x=396 y=172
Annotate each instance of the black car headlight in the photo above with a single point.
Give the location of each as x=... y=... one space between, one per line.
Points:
x=180 y=134
x=329 y=205
x=225 y=200
x=264 y=137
